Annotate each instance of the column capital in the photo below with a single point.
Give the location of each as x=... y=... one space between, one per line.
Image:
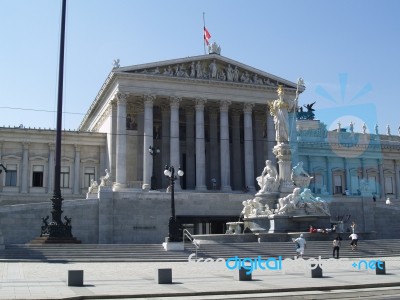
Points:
x=77 y=148
x=248 y=107
x=174 y=101
x=25 y=145
x=224 y=105
x=52 y=147
x=149 y=100
x=200 y=103
x=121 y=97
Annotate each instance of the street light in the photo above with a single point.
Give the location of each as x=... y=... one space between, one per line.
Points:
x=173 y=226
x=153 y=152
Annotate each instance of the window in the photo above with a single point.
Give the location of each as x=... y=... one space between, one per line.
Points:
x=337 y=179
x=11 y=175
x=64 y=177
x=389 y=185
x=37 y=176
x=89 y=176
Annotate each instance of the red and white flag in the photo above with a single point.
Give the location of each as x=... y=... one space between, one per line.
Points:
x=207 y=36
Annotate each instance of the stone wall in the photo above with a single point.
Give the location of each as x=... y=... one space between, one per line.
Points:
x=136 y=217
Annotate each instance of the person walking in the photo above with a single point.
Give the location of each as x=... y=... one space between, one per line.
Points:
x=354 y=241
x=336 y=246
x=301 y=245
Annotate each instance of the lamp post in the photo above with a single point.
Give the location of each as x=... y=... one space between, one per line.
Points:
x=153 y=152
x=173 y=226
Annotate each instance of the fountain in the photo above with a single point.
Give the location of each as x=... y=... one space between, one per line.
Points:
x=289 y=203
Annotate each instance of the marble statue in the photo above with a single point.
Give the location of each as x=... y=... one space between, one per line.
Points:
x=376 y=129
x=247 y=208
x=313 y=204
x=388 y=129
x=290 y=202
x=300 y=177
x=351 y=126
x=106 y=179
x=279 y=112
x=364 y=128
x=93 y=187
x=269 y=180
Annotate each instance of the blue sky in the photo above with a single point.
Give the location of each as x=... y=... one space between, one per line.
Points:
x=346 y=51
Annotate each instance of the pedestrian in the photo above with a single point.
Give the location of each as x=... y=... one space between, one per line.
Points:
x=354 y=240
x=301 y=245
x=336 y=246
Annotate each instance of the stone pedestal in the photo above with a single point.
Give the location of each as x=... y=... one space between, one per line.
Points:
x=269 y=198
x=259 y=224
x=283 y=154
x=297 y=223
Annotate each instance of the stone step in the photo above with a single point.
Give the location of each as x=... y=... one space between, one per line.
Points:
x=155 y=252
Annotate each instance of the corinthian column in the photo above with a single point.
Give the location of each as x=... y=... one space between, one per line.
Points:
x=120 y=177
x=224 y=141
x=174 y=145
x=147 y=140
x=248 y=147
x=200 y=146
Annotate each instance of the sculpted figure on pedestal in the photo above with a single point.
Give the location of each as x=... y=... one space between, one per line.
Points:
x=269 y=180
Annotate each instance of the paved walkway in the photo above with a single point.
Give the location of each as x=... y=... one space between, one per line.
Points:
x=41 y=280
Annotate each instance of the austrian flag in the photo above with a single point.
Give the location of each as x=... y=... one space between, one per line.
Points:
x=207 y=36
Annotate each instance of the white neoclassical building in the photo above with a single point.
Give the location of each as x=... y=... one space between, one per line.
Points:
x=209 y=115
x=206 y=114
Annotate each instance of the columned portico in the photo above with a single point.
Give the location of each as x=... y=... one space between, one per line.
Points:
x=200 y=146
x=190 y=170
x=174 y=146
x=147 y=140
x=224 y=142
x=214 y=153
x=120 y=177
x=166 y=141
x=237 y=179
x=248 y=146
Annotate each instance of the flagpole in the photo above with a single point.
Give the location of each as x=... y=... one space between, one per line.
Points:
x=204 y=40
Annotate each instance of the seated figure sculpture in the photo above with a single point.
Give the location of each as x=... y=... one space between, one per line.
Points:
x=314 y=204
x=106 y=179
x=268 y=181
x=290 y=202
x=300 y=177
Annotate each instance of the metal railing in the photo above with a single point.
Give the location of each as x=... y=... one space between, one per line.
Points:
x=188 y=235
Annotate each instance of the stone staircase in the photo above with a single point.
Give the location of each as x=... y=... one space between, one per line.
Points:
x=156 y=253
x=366 y=248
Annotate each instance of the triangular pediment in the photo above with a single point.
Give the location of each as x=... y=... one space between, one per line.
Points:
x=208 y=67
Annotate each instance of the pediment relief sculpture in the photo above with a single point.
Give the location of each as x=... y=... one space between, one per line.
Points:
x=211 y=69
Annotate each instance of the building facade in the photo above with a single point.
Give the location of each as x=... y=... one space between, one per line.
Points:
x=208 y=115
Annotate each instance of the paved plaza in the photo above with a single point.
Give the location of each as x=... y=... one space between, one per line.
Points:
x=205 y=280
